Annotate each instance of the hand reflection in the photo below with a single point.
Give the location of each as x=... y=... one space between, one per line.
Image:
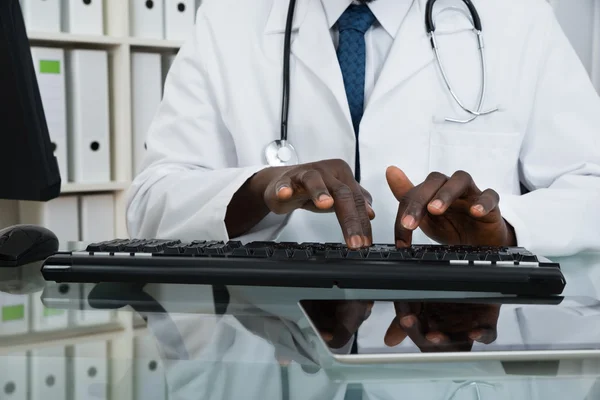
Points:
x=337 y=320
x=443 y=327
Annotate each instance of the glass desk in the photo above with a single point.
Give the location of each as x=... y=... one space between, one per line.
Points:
x=124 y=341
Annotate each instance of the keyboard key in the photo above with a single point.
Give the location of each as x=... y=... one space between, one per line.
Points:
x=281 y=254
x=240 y=252
x=472 y=257
x=335 y=254
x=451 y=256
x=95 y=247
x=194 y=249
x=493 y=257
x=175 y=249
x=429 y=256
x=375 y=255
x=234 y=244
x=217 y=250
x=301 y=254
x=263 y=252
x=354 y=254
x=528 y=257
x=396 y=255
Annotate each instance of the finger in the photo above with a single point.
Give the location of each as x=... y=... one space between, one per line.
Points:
x=404 y=309
x=459 y=185
x=283 y=188
x=418 y=199
x=437 y=338
x=369 y=203
x=313 y=184
x=363 y=212
x=487 y=202
x=367 y=195
x=402 y=235
x=398 y=182
x=395 y=334
x=346 y=211
x=484 y=336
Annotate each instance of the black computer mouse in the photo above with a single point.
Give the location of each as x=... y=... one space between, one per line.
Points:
x=24 y=244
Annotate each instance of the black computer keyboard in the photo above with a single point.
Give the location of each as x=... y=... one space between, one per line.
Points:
x=382 y=266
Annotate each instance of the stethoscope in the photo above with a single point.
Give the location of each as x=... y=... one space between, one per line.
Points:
x=281 y=152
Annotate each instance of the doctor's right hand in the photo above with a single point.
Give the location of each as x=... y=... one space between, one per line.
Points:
x=323 y=186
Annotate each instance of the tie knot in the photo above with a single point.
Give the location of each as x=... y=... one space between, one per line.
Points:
x=357 y=17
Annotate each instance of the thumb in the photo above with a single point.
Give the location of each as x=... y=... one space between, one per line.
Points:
x=395 y=334
x=398 y=182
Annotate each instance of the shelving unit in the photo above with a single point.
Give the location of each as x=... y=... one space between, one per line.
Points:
x=119 y=44
x=117 y=41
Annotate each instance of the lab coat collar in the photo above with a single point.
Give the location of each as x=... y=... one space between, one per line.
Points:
x=389 y=13
x=410 y=53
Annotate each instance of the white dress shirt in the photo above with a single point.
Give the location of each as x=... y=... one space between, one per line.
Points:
x=379 y=38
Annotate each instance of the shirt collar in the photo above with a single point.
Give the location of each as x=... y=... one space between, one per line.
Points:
x=389 y=13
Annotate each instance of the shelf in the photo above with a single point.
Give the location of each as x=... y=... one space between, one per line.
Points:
x=46 y=38
x=154 y=44
x=69 y=337
x=94 y=187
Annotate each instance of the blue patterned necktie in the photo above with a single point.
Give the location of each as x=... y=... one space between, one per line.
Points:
x=351 y=52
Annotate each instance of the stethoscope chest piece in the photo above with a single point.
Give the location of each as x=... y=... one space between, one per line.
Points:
x=280 y=153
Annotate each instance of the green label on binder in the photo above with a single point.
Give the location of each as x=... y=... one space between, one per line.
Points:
x=51 y=312
x=13 y=313
x=49 y=67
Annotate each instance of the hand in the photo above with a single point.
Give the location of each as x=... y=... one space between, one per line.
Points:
x=443 y=327
x=450 y=211
x=337 y=320
x=324 y=186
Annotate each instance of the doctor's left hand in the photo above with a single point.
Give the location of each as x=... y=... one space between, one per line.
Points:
x=450 y=210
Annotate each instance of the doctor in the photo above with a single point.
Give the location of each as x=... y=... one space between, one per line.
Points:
x=366 y=93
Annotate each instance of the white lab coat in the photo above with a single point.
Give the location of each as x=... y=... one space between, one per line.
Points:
x=222 y=106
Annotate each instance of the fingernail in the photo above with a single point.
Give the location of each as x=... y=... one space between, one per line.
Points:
x=366 y=241
x=479 y=208
x=409 y=222
x=282 y=187
x=434 y=339
x=475 y=336
x=324 y=197
x=356 y=242
x=408 y=322
x=437 y=204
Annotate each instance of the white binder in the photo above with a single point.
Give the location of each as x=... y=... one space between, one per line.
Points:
x=87 y=315
x=89 y=125
x=42 y=15
x=60 y=215
x=179 y=19
x=14 y=314
x=48 y=374
x=83 y=17
x=149 y=373
x=13 y=376
x=146 y=18
x=45 y=318
x=50 y=71
x=97 y=213
x=146 y=92
x=89 y=370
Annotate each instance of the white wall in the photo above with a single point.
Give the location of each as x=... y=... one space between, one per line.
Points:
x=580 y=19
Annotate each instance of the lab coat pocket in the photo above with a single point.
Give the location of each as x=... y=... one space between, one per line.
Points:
x=492 y=158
